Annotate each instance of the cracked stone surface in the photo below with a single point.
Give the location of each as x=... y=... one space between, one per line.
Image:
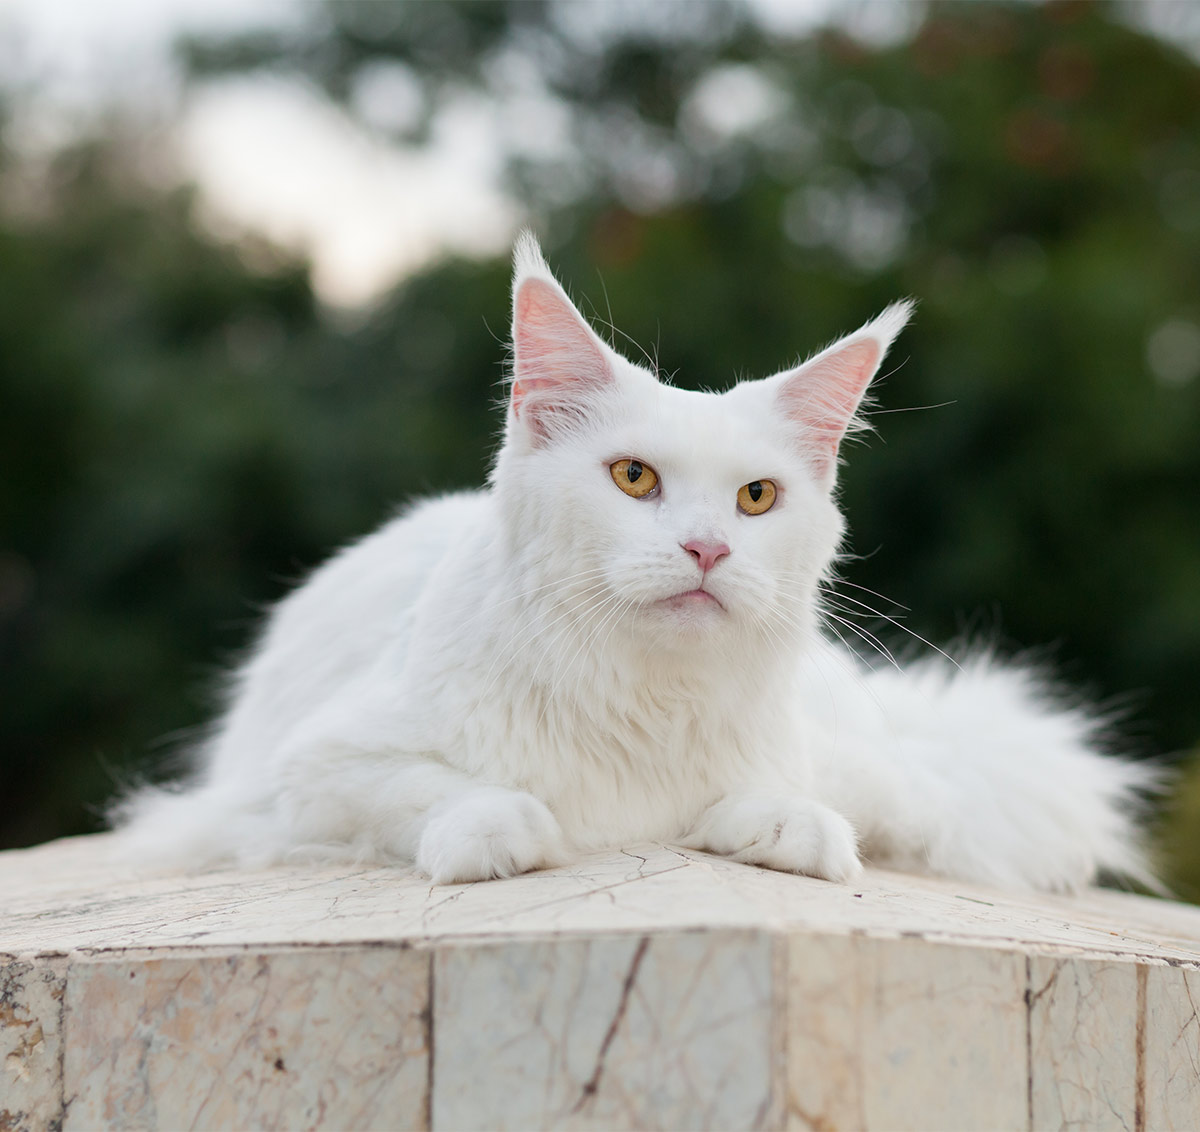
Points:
x=648 y=988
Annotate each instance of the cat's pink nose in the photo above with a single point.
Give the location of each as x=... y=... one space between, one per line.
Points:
x=707 y=554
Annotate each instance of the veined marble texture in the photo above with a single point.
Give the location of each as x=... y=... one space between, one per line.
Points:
x=292 y=1040
x=1169 y=1047
x=648 y=988
x=1084 y=1060
x=31 y=1045
x=665 y=1031
x=905 y=1034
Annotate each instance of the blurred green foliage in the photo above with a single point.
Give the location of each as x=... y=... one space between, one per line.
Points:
x=1177 y=835
x=186 y=431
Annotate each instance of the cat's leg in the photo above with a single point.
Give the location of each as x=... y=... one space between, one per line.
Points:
x=488 y=831
x=779 y=831
x=356 y=776
x=453 y=827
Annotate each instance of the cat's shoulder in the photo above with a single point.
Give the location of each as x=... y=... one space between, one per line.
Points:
x=439 y=517
x=402 y=551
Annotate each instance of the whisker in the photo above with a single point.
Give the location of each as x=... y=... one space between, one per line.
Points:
x=873 y=593
x=870 y=638
x=485 y=607
x=614 y=621
x=912 y=408
x=608 y=324
x=853 y=605
x=902 y=627
x=511 y=648
x=842 y=661
x=611 y=605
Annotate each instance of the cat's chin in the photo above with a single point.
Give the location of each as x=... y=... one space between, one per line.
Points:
x=692 y=599
x=692 y=607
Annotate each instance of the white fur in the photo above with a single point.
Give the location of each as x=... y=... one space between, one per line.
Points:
x=496 y=680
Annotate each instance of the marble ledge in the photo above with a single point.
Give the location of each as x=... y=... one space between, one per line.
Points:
x=649 y=988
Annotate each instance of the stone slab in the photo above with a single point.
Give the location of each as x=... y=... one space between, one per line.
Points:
x=73 y=895
x=647 y=988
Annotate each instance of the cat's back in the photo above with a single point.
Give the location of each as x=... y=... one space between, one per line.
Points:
x=353 y=611
x=366 y=589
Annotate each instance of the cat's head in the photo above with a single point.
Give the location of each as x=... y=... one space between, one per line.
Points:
x=671 y=511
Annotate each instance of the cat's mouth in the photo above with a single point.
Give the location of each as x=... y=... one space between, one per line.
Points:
x=692 y=599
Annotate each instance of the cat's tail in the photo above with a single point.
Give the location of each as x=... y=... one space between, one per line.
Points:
x=197 y=827
x=980 y=772
x=191 y=827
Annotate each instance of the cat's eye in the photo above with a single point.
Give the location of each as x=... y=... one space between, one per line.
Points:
x=634 y=478
x=756 y=497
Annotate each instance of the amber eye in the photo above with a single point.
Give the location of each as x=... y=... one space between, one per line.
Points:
x=634 y=478
x=757 y=497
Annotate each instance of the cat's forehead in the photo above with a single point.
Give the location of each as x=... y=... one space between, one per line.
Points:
x=736 y=430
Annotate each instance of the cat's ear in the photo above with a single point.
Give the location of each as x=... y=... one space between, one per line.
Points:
x=559 y=362
x=822 y=396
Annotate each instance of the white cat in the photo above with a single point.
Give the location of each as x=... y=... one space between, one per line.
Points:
x=619 y=640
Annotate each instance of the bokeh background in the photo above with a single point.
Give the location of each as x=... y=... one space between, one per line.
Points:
x=253 y=295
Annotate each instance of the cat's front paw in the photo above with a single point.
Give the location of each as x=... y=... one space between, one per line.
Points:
x=794 y=835
x=486 y=833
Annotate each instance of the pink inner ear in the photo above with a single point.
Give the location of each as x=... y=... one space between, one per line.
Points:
x=824 y=394
x=555 y=350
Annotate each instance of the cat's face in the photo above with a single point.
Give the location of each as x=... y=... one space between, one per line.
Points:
x=695 y=506
x=685 y=515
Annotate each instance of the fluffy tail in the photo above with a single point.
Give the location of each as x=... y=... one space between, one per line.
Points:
x=977 y=773
x=191 y=828
x=197 y=827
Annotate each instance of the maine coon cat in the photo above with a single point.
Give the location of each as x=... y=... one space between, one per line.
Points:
x=620 y=640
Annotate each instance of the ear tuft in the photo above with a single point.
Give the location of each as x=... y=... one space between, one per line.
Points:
x=528 y=259
x=886 y=326
x=823 y=395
